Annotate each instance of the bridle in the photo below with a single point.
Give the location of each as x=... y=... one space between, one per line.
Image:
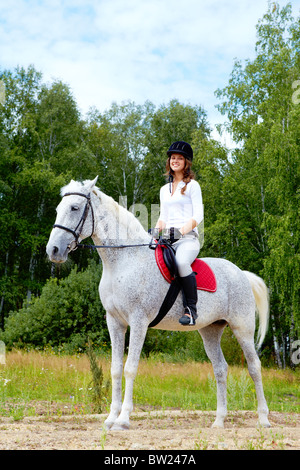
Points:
x=77 y=231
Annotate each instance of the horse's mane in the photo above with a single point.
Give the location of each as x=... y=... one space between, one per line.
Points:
x=126 y=218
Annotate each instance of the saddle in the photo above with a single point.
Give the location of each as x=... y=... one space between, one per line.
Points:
x=166 y=261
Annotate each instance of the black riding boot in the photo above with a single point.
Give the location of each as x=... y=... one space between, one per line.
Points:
x=190 y=296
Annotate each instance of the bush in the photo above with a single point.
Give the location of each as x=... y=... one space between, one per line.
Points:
x=68 y=311
x=175 y=346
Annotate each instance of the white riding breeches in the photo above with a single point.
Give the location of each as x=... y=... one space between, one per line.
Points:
x=187 y=249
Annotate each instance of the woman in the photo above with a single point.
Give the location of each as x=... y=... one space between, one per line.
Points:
x=181 y=211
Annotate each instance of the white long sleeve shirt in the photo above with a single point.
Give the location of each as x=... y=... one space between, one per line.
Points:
x=177 y=209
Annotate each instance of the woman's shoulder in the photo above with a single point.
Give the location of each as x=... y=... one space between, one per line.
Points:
x=193 y=184
x=164 y=189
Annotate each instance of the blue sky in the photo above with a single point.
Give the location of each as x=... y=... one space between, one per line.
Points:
x=115 y=50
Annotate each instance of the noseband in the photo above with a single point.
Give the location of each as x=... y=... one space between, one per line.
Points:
x=77 y=231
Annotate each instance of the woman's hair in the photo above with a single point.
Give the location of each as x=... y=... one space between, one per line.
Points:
x=188 y=173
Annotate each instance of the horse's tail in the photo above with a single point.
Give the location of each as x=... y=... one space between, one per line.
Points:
x=261 y=296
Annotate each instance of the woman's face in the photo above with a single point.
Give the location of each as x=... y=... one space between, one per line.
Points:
x=177 y=162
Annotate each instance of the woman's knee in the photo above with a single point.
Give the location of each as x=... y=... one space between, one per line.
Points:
x=184 y=268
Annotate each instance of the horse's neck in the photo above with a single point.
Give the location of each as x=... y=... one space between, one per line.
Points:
x=115 y=226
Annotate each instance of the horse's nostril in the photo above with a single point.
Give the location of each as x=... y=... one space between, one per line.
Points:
x=55 y=250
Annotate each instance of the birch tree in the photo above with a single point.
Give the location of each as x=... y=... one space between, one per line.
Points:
x=264 y=205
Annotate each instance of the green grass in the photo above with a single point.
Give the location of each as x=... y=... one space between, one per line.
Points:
x=36 y=383
x=192 y=386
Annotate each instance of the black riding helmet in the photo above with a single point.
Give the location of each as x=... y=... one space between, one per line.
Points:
x=183 y=148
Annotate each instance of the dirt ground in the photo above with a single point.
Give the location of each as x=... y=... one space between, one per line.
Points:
x=153 y=430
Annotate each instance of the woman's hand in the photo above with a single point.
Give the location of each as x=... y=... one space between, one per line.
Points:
x=188 y=227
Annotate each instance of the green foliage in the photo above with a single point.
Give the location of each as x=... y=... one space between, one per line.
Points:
x=67 y=311
x=174 y=346
x=261 y=185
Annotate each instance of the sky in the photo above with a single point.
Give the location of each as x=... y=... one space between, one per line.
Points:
x=133 y=50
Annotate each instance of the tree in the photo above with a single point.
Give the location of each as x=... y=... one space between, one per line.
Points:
x=21 y=91
x=209 y=164
x=42 y=146
x=264 y=205
x=116 y=139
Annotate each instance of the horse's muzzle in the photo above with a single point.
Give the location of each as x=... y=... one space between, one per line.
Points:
x=56 y=254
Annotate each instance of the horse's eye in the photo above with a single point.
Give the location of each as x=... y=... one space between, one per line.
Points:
x=74 y=208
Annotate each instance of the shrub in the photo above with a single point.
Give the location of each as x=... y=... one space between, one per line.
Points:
x=66 y=312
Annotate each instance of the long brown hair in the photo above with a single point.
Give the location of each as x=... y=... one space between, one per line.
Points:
x=188 y=173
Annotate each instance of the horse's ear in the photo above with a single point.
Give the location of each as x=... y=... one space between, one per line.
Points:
x=91 y=184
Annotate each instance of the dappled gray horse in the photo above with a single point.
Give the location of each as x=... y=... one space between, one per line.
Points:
x=132 y=291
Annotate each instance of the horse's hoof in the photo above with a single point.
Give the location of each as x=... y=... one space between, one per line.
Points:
x=218 y=424
x=108 y=425
x=120 y=426
x=263 y=421
x=263 y=424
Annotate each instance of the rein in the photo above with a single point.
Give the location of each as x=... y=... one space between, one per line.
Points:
x=76 y=233
x=113 y=246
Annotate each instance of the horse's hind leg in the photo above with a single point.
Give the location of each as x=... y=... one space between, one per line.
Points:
x=246 y=342
x=211 y=336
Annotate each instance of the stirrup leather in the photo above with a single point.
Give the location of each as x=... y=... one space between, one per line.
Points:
x=192 y=321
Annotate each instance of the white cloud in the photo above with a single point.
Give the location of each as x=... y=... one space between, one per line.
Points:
x=111 y=50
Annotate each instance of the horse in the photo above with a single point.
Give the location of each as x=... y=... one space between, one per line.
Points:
x=132 y=290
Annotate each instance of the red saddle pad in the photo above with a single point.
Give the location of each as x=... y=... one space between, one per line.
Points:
x=205 y=276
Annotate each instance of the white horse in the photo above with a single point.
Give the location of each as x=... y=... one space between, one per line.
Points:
x=132 y=290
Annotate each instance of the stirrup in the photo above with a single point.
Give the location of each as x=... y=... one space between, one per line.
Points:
x=187 y=318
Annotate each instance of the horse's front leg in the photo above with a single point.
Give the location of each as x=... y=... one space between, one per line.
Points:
x=138 y=331
x=211 y=336
x=117 y=336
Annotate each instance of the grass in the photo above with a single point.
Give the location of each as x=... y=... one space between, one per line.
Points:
x=36 y=383
x=192 y=386
x=43 y=383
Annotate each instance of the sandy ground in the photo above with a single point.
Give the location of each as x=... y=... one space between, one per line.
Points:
x=153 y=430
